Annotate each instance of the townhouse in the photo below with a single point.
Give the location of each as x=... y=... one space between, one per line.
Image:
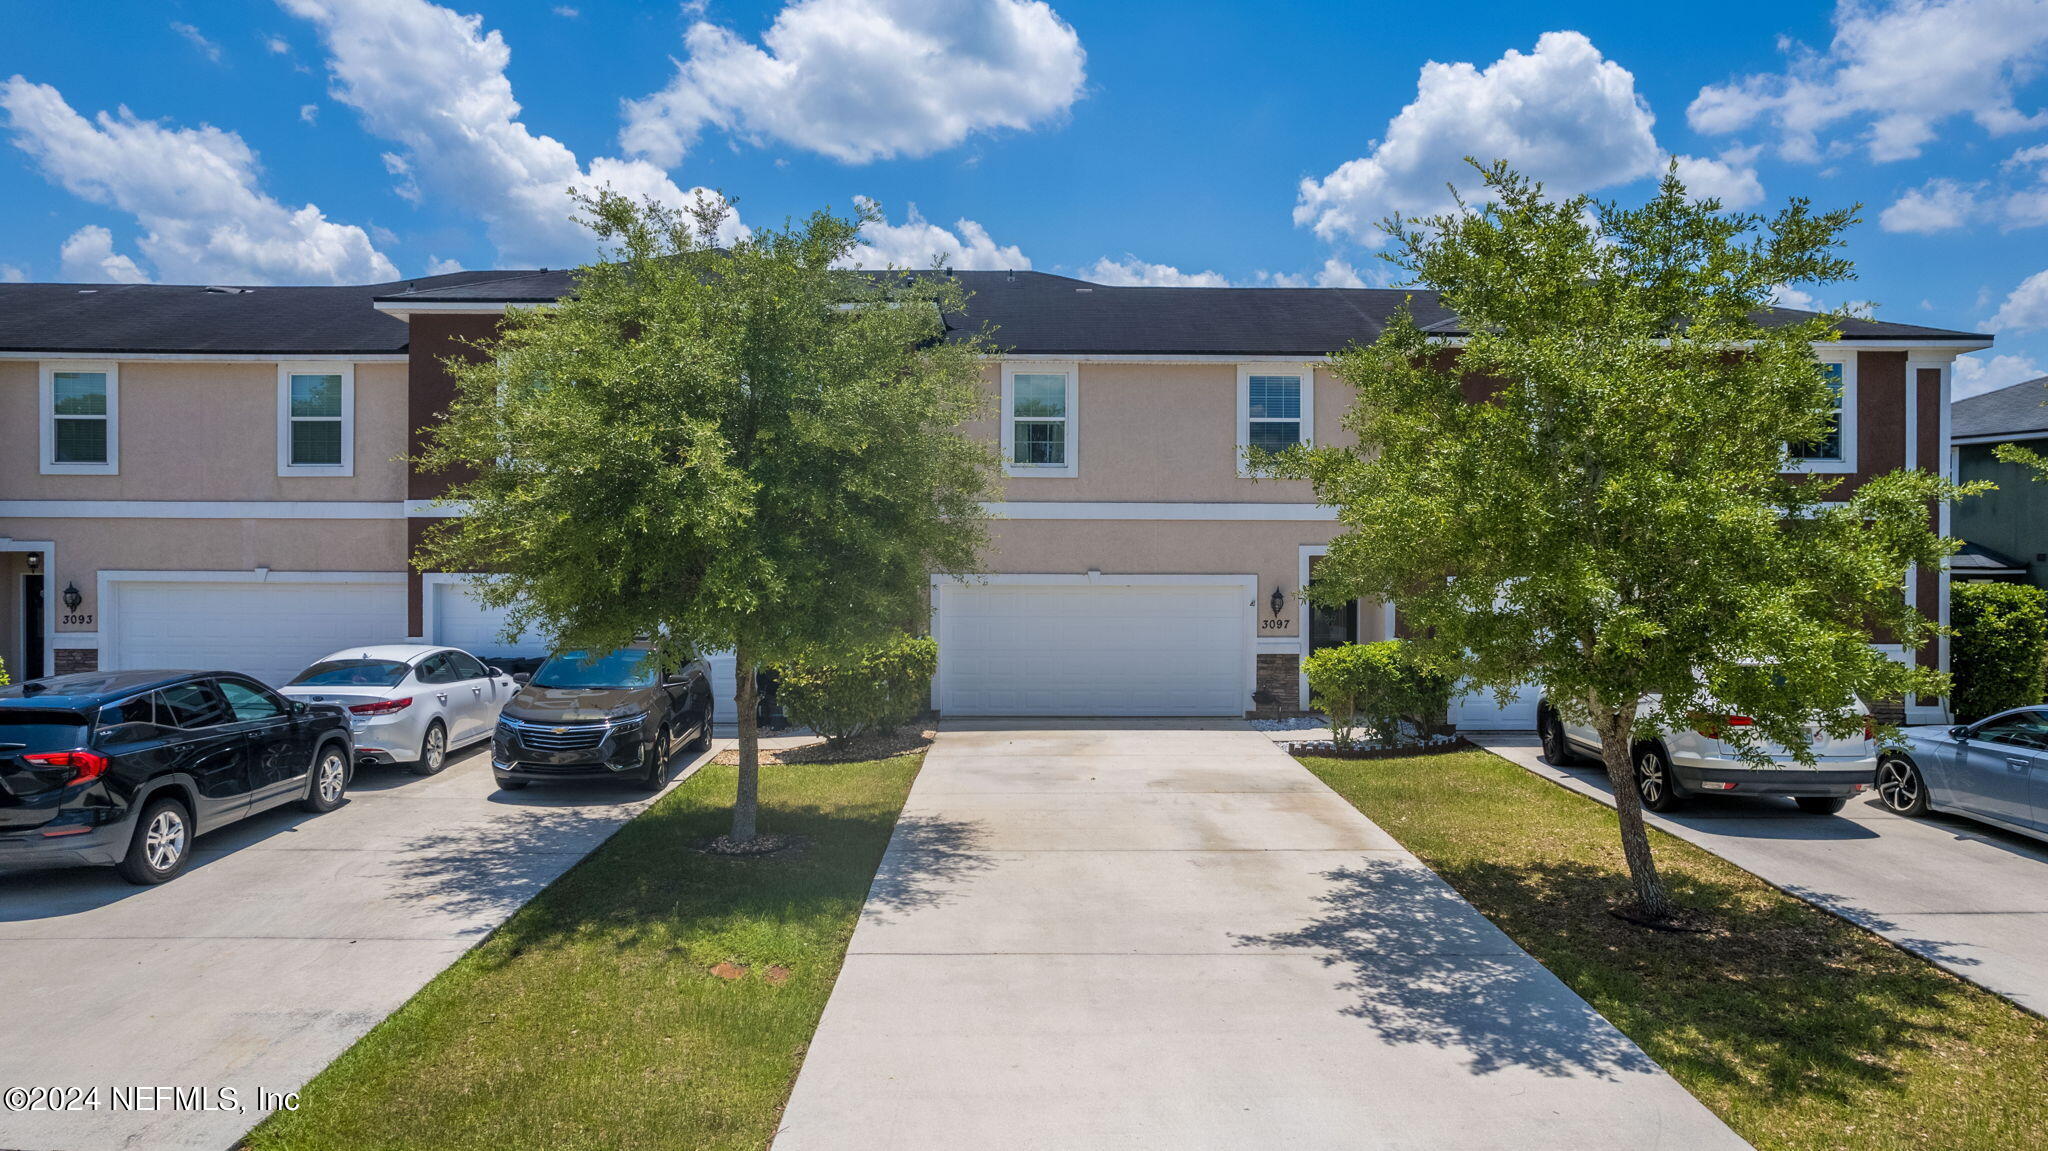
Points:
x=216 y=476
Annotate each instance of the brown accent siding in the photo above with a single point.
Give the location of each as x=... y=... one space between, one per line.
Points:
x=431 y=388
x=1927 y=399
x=1880 y=416
x=415 y=596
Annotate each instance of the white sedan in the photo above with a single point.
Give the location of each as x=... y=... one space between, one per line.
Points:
x=408 y=703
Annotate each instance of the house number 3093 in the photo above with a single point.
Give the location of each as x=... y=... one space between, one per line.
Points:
x=1275 y=624
x=79 y=619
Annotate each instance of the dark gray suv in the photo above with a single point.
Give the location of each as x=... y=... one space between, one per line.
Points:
x=602 y=715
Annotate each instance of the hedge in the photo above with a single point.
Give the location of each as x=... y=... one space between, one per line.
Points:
x=1999 y=648
x=1375 y=685
x=874 y=689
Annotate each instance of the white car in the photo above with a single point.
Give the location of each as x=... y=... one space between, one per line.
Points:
x=1680 y=764
x=408 y=703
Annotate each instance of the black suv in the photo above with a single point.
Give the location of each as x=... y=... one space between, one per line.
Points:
x=602 y=715
x=126 y=767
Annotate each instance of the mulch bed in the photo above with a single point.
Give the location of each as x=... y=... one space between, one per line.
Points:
x=1324 y=749
x=856 y=750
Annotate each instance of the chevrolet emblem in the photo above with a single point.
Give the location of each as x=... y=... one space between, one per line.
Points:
x=561 y=731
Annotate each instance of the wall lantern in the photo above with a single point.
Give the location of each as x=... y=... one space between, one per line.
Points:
x=35 y=562
x=72 y=597
x=1279 y=599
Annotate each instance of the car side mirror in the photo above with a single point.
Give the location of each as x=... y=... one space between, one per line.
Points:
x=301 y=707
x=522 y=678
x=497 y=672
x=1960 y=731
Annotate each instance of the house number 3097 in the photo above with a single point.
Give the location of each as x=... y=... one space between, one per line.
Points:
x=1275 y=624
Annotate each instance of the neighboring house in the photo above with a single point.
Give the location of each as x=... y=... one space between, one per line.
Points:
x=219 y=475
x=2005 y=532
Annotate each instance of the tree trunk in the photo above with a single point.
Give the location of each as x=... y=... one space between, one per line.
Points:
x=1616 y=728
x=746 y=805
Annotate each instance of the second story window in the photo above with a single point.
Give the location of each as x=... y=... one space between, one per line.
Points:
x=1836 y=450
x=1275 y=409
x=81 y=419
x=316 y=420
x=1039 y=420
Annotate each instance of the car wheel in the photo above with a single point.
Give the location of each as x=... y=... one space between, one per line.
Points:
x=1820 y=804
x=161 y=846
x=703 y=741
x=660 y=752
x=1556 y=748
x=1900 y=788
x=433 y=751
x=513 y=784
x=330 y=779
x=1653 y=779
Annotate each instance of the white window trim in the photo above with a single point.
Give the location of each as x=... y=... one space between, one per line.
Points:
x=1072 y=467
x=347 y=372
x=1245 y=372
x=46 y=397
x=1846 y=357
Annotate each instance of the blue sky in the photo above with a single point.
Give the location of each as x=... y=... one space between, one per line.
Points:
x=1184 y=142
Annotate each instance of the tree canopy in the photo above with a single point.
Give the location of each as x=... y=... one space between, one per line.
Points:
x=749 y=447
x=1591 y=488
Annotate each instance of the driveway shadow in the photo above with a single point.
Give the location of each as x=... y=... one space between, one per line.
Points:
x=927 y=857
x=1751 y=817
x=1428 y=969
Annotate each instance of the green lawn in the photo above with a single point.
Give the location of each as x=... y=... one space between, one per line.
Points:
x=1799 y=1030
x=594 y=1018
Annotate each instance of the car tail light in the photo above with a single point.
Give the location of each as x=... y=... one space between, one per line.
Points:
x=1869 y=729
x=89 y=765
x=1713 y=726
x=381 y=707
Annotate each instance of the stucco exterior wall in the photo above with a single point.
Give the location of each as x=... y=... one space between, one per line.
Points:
x=200 y=431
x=1161 y=433
x=86 y=547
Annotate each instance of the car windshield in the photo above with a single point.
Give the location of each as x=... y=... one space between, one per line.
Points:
x=626 y=667
x=352 y=673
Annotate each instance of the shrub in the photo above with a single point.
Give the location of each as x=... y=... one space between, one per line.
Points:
x=2001 y=641
x=874 y=689
x=1375 y=685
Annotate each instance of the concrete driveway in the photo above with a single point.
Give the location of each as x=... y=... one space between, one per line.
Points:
x=1969 y=897
x=289 y=936
x=1130 y=935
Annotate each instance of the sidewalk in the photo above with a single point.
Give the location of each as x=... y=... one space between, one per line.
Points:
x=1129 y=935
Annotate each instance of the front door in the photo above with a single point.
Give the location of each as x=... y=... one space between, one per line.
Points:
x=32 y=656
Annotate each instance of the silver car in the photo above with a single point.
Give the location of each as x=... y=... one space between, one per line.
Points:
x=408 y=704
x=1995 y=770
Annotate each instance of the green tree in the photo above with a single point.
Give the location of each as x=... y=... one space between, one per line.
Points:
x=746 y=447
x=1586 y=492
x=1999 y=647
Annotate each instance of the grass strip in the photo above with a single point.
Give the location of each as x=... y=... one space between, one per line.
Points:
x=652 y=997
x=1799 y=1030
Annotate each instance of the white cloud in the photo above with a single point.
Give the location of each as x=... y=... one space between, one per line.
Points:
x=1787 y=296
x=1133 y=272
x=433 y=82
x=13 y=274
x=862 y=80
x=309 y=113
x=1562 y=114
x=436 y=266
x=89 y=258
x=916 y=242
x=566 y=12
x=1730 y=179
x=1936 y=206
x=2027 y=206
x=2026 y=309
x=1898 y=71
x=1335 y=273
x=1974 y=377
x=194 y=191
x=197 y=39
x=278 y=45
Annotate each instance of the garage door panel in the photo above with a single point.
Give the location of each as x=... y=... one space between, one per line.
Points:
x=1022 y=649
x=268 y=630
x=461 y=621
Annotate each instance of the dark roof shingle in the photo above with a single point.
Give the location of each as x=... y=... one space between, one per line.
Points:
x=2015 y=410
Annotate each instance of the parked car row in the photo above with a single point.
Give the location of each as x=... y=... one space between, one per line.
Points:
x=1994 y=770
x=128 y=767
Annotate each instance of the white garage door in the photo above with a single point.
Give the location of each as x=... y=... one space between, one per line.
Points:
x=1480 y=711
x=271 y=630
x=1090 y=649
x=460 y=621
